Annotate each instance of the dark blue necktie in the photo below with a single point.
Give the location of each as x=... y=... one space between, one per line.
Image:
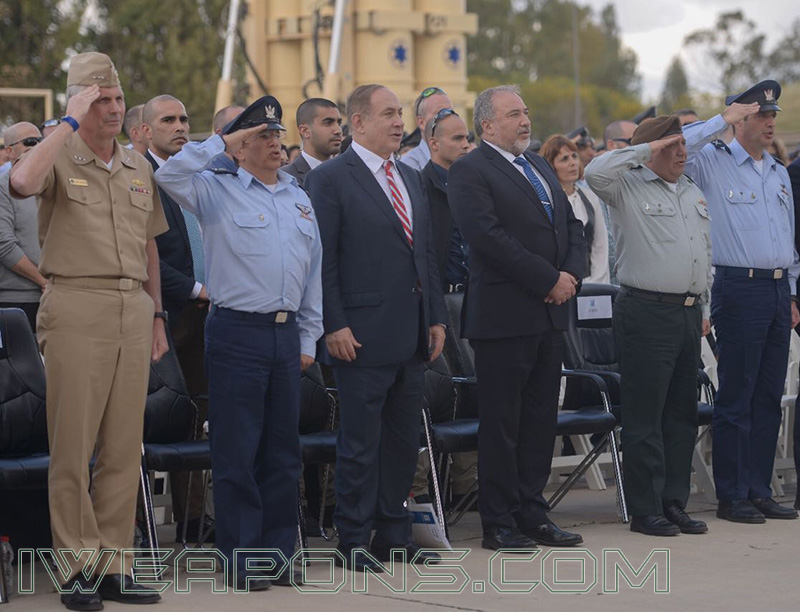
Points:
x=537 y=185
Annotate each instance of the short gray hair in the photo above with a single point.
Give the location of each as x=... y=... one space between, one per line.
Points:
x=360 y=100
x=73 y=90
x=484 y=105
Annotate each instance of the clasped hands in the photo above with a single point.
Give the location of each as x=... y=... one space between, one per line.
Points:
x=566 y=286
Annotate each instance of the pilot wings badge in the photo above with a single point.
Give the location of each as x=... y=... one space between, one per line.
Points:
x=305 y=211
x=269 y=110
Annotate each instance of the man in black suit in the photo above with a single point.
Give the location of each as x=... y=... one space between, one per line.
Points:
x=166 y=128
x=794 y=177
x=384 y=314
x=527 y=252
x=320 y=125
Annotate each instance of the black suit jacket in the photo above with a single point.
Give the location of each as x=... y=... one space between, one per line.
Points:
x=794 y=176
x=372 y=280
x=516 y=253
x=441 y=219
x=298 y=169
x=175 y=256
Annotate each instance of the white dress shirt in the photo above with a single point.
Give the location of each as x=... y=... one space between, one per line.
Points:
x=375 y=163
x=312 y=162
x=511 y=157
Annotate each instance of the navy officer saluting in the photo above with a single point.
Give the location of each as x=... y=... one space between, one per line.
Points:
x=263 y=258
x=752 y=300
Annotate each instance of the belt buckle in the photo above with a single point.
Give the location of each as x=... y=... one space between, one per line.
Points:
x=126 y=284
x=750 y=273
x=689 y=301
x=777 y=274
x=281 y=317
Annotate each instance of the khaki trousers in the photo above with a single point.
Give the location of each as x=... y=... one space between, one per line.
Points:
x=96 y=344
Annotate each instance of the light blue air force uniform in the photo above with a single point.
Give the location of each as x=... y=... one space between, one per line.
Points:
x=756 y=269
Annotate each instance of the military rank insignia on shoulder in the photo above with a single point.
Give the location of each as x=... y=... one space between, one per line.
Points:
x=720 y=144
x=222 y=170
x=305 y=211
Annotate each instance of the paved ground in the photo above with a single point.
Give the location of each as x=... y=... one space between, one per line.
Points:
x=733 y=567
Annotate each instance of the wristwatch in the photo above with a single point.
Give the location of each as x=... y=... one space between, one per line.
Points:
x=160 y=315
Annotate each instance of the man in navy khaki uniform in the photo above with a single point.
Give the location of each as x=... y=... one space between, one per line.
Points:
x=527 y=253
x=661 y=224
x=753 y=299
x=384 y=313
x=263 y=259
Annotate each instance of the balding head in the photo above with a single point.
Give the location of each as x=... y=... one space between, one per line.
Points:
x=132 y=126
x=150 y=110
x=224 y=116
x=15 y=134
x=617 y=134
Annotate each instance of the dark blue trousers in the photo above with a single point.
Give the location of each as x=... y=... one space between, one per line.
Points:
x=253 y=371
x=752 y=318
x=376 y=451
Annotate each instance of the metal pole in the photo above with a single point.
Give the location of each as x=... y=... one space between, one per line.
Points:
x=576 y=65
x=331 y=88
x=224 y=89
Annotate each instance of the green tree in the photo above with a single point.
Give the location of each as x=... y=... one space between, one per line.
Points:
x=162 y=47
x=35 y=36
x=675 y=94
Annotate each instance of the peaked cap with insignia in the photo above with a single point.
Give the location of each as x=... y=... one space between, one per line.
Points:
x=647 y=113
x=765 y=93
x=264 y=110
x=92 y=69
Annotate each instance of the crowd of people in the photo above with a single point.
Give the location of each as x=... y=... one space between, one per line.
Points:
x=260 y=266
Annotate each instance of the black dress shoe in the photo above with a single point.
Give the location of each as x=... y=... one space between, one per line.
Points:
x=256 y=583
x=676 y=515
x=772 y=509
x=78 y=600
x=654 y=525
x=495 y=538
x=193 y=530
x=414 y=553
x=111 y=589
x=740 y=511
x=362 y=562
x=550 y=535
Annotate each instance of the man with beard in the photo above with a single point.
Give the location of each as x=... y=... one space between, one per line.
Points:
x=320 y=125
x=527 y=254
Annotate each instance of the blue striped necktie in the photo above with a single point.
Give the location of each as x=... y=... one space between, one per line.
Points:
x=196 y=246
x=537 y=185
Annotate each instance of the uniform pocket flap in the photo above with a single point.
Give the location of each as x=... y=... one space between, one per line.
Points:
x=741 y=197
x=82 y=194
x=658 y=210
x=250 y=219
x=306 y=226
x=361 y=299
x=142 y=201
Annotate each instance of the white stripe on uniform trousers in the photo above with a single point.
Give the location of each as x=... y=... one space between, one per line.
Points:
x=397 y=203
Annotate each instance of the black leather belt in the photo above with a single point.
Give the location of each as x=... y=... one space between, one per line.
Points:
x=678 y=299
x=774 y=274
x=280 y=316
x=458 y=288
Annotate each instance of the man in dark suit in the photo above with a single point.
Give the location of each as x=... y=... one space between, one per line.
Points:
x=527 y=252
x=320 y=125
x=166 y=128
x=794 y=177
x=383 y=314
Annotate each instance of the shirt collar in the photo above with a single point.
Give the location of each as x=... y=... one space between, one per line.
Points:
x=312 y=162
x=440 y=172
x=740 y=156
x=159 y=161
x=248 y=179
x=506 y=154
x=372 y=160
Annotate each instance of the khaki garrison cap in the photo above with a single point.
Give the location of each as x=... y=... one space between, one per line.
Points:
x=92 y=68
x=655 y=128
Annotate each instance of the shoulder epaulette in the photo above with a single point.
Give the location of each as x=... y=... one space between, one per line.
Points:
x=222 y=171
x=720 y=144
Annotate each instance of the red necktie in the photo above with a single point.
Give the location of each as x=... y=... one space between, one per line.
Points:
x=397 y=203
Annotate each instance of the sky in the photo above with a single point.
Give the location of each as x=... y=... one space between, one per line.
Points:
x=655 y=30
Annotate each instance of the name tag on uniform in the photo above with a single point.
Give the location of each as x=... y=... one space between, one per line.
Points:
x=594 y=307
x=75 y=182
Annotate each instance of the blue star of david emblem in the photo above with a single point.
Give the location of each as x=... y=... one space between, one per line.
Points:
x=454 y=54
x=400 y=53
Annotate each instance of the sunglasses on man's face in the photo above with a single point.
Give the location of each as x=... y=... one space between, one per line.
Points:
x=31 y=141
x=445 y=112
x=51 y=123
x=427 y=93
x=627 y=141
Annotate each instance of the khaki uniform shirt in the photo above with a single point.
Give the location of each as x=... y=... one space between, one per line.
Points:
x=94 y=221
x=663 y=236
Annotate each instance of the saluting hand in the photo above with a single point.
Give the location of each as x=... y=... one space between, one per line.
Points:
x=235 y=141
x=78 y=105
x=736 y=112
x=342 y=344
x=664 y=143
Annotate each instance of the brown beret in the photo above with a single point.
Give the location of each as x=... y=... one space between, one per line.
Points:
x=655 y=128
x=92 y=68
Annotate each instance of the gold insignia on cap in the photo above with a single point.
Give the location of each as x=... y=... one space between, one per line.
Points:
x=769 y=95
x=270 y=111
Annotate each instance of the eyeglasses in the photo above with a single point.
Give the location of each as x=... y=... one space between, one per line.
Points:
x=31 y=141
x=51 y=123
x=427 y=93
x=627 y=141
x=445 y=112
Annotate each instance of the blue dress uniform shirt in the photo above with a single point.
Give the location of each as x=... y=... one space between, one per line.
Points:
x=263 y=250
x=752 y=212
